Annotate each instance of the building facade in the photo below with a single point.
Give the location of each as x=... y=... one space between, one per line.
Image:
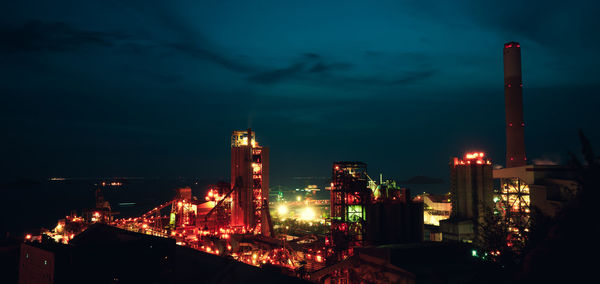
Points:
x=472 y=193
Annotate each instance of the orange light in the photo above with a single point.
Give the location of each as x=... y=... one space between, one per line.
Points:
x=319 y=258
x=179 y=203
x=28 y=236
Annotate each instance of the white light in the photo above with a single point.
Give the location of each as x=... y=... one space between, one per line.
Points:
x=308 y=214
x=282 y=210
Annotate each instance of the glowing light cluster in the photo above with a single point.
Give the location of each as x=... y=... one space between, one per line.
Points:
x=308 y=214
x=282 y=210
x=213 y=195
x=473 y=158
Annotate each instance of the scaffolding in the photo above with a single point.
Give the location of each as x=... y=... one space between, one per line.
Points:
x=349 y=199
x=514 y=205
x=257 y=186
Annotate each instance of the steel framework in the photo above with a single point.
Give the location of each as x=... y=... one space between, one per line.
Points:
x=515 y=206
x=349 y=199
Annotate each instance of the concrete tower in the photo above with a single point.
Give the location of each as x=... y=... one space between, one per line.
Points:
x=513 y=98
x=250 y=179
x=472 y=194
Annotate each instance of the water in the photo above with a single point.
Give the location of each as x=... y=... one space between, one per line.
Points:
x=32 y=204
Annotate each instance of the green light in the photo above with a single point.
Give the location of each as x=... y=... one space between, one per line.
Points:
x=355 y=213
x=474 y=253
x=496 y=199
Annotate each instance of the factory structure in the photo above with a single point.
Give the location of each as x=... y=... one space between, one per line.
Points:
x=513 y=102
x=250 y=184
x=234 y=221
x=520 y=187
x=359 y=219
x=524 y=187
x=471 y=188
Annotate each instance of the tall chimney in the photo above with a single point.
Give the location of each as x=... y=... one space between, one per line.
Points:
x=513 y=99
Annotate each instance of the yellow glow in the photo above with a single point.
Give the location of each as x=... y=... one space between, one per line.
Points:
x=298 y=198
x=282 y=210
x=308 y=214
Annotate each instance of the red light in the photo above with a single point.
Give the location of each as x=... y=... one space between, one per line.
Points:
x=509 y=85
x=511 y=158
x=518 y=45
x=28 y=236
x=343 y=227
x=510 y=124
x=508 y=45
x=522 y=123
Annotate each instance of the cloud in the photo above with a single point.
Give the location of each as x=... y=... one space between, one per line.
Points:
x=314 y=68
x=212 y=56
x=404 y=79
x=36 y=36
x=553 y=24
x=39 y=36
x=322 y=67
x=277 y=75
x=312 y=55
x=308 y=64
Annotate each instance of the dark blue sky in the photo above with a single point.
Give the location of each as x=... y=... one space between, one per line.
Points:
x=137 y=88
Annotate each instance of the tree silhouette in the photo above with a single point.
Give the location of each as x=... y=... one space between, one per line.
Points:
x=564 y=253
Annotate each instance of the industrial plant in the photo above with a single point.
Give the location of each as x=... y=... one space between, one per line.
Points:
x=358 y=235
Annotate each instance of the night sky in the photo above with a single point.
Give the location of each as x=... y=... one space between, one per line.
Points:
x=136 y=88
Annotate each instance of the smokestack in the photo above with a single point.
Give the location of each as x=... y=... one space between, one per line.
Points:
x=513 y=99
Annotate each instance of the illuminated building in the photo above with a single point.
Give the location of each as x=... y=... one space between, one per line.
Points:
x=250 y=184
x=471 y=189
x=349 y=199
x=522 y=186
x=545 y=187
x=513 y=98
x=437 y=207
x=359 y=219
